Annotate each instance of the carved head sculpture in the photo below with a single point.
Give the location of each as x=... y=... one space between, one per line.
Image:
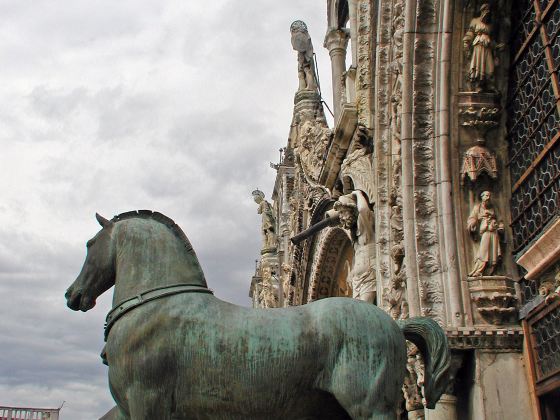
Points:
x=298 y=26
x=485 y=196
x=485 y=12
x=347 y=211
x=258 y=196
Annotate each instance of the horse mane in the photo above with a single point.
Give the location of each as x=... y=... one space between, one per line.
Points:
x=158 y=217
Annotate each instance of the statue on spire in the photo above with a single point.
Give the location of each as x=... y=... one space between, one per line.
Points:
x=301 y=42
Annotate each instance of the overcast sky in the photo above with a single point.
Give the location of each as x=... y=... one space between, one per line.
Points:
x=176 y=106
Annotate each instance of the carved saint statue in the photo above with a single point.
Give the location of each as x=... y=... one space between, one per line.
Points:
x=483 y=222
x=268 y=227
x=301 y=42
x=354 y=214
x=479 y=48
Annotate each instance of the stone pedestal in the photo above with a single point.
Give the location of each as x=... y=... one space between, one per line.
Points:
x=446 y=409
x=308 y=103
x=493 y=299
x=416 y=415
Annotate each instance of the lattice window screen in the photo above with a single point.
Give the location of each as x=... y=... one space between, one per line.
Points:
x=534 y=118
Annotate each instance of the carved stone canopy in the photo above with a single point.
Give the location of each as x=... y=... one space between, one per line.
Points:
x=476 y=161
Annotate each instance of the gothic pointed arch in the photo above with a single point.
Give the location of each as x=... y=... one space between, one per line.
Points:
x=330 y=265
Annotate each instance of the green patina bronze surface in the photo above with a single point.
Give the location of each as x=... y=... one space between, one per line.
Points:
x=193 y=356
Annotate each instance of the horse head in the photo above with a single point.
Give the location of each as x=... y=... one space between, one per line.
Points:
x=98 y=271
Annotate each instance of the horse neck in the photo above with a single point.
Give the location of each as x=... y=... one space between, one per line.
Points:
x=149 y=255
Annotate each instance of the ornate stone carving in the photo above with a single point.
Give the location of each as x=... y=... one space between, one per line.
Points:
x=483 y=225
x=268 y=225
x=328 y=260
x=287 y=287
x=301 y=42
x=476 y=161
x=313 y=141
x=494 y=299
x=364 y=64
x=550 y=289
x=420 y=185
x=510 y=339
x=414 y=379
x=356 y=216
x=479 y=48
x=358 y=165
x=267 y=295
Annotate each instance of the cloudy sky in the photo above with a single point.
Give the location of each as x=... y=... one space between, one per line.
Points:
x=109 y=106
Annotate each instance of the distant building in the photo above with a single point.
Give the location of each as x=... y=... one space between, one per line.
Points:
x=25 y=413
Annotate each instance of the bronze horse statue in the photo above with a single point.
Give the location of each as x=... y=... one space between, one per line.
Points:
x=177 y=352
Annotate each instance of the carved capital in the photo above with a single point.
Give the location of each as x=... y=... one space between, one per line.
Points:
x=479 y=113
x=336 y=41
x=494 y=300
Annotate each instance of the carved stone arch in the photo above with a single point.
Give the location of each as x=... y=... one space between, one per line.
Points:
x=331 y=264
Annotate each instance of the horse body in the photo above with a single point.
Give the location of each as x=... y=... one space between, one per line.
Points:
x=222 y=358
x=193 y=356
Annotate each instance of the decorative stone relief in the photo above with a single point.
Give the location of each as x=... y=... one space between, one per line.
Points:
x=355 y=215
x=301 y=42
x=364 y=64
x=267 y=295
x=494 y=300
x=358 y=165
x=313 y=141
x=550 y=289
x=423 y=194
x=390 y=298
x=287 y=287
x=414 y=380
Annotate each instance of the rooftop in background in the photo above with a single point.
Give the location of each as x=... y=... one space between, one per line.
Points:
x=25 y=413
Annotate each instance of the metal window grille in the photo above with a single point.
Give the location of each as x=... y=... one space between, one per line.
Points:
x=544 y=330
x=534 y=118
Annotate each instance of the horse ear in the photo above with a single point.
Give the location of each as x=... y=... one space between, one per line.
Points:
x=102 y=221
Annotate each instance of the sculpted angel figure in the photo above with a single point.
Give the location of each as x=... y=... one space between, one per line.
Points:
x=301 y=42
x=483 y=222
x=479 y=47
x=355 y=214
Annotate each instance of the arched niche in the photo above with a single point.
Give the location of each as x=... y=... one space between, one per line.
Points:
x=331 y=264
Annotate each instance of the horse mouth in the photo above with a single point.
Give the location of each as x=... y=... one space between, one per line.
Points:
x=78 y=301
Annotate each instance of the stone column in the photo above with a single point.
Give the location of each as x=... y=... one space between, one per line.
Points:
x=336 y=42
x=353 y=14
x=446 y=409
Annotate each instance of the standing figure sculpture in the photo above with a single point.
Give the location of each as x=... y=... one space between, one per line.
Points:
x=479 y=47
x=355 y=215
x=301 y=42
x=268 y=226
x=483 y=222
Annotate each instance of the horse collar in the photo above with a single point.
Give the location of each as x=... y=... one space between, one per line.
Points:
x=147 y=296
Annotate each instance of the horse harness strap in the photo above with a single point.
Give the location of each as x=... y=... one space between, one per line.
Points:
x=147 y=296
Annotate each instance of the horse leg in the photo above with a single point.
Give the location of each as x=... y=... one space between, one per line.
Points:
x=145 y=403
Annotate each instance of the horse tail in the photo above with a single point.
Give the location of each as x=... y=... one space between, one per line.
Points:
x=430 y=339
